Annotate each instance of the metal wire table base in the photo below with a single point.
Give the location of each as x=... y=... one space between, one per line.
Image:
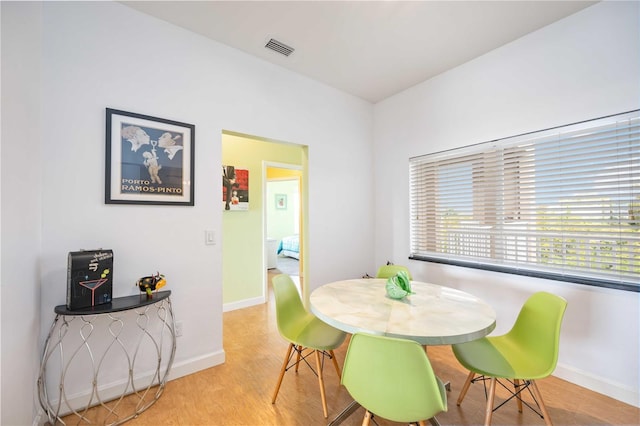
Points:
x=113 y=360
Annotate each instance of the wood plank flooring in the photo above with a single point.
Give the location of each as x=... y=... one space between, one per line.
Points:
x=239 y=391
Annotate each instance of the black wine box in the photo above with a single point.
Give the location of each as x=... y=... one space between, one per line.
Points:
x=89 y=278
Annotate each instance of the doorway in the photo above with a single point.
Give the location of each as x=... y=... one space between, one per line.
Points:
x=283 y=217
x=244 y=235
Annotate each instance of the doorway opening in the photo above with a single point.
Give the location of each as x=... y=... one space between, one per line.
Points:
x=244 y=233
x=283 y=217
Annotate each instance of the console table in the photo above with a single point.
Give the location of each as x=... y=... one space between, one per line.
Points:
x=113 y=359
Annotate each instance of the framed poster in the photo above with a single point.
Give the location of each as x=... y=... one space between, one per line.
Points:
x=281 y=201
x=235 y=188
x=149 y=160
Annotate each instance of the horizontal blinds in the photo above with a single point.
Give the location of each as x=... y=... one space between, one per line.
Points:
x=564 y=200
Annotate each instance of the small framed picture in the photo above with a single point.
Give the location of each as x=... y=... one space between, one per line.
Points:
x=149 y=160
x=281 y=201
x=235 y=188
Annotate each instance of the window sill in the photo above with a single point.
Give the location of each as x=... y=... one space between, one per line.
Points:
x=594 y=282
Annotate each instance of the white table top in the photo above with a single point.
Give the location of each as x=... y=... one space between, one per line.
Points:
x=434 y=315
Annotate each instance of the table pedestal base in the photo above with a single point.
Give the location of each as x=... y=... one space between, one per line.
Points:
x=349 y=410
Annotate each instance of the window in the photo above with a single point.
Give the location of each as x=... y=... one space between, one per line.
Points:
x=562 y=203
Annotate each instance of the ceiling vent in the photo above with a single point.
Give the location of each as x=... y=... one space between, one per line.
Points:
x=279 y=47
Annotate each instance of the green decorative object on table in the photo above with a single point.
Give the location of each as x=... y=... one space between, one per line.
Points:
x=399 y=286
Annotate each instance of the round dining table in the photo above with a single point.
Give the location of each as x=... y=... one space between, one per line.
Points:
x=432 y=315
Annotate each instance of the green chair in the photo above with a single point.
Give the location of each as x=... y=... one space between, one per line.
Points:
x=388 y=271
x=392 y=378
x=307 y=335
x=529 y=351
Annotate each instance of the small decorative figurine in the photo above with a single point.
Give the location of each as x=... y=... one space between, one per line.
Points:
x=151 y=283
x=399 y=286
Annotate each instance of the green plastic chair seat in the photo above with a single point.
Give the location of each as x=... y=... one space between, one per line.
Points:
x=305 y=332
x=313 y=333
x=298 y=325
x=500 y=357
x=529 y=351
x=392 y=378
x=388 y=271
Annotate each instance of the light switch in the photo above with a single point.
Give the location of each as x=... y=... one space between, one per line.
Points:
x=210 y=238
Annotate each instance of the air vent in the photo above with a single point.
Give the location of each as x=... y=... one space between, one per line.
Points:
x=279 y=47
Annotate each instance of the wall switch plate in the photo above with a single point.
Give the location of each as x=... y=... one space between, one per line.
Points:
x=210 y=238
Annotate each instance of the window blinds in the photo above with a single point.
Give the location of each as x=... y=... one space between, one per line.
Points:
x=563 y=203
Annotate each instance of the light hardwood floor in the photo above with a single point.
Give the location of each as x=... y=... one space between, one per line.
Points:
x=239 y=391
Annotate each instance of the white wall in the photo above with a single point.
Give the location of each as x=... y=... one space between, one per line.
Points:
x=585 y=66
x=21 y=210
x=104 y=54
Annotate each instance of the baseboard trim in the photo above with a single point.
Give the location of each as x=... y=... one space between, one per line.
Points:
x=180 y=369
x=598 y=384
x=194 y=365
x=247 y=303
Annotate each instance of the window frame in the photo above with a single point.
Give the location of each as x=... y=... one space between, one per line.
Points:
x=472 y=157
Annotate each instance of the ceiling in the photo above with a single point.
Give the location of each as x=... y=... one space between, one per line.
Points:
x=371 y=49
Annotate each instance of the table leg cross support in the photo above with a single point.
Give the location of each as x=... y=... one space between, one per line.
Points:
x=349 y=410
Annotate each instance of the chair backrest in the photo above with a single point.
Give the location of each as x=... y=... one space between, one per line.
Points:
x=392 y=378
x=291 y=315
x=387 y=271
x=537 y=330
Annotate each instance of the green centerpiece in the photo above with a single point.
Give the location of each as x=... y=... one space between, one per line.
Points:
x=399 y=286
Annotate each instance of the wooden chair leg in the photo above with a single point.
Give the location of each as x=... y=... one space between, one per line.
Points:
x=465 y=387
x=543 y=408
x=489 y=409
x=516 y=383
x=282 y=371
x=299 y=354
x=367 y=418
x=422 y=423
x=335 y=364
x=321 y=383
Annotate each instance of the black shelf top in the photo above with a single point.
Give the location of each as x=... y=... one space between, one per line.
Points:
x=117 y=304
